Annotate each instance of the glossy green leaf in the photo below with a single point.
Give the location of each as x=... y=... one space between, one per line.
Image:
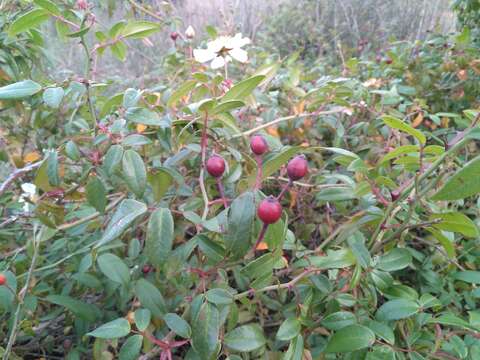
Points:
x=178 y=325
x=19 y=90
x=114 y=268
x=96 y=194
x=240 y=225
x=219 y=296
x=398 y=124
x=243 y=89
x=455 y=222
x=397 y=309
x=150 y=297
x=131 y=348
x=350 y=338
x=28 y=21
x=464 y=183
x=49 y=6
x=338 y=320
x=140 y=29
x=79 y=308
x=159 y=240
x=205 y=331
x=142 y=318
x=395 y=259
x=126 y=213
x=134 y=172
x=289 y=329
x=112 y=330
x=245 y=338
x=53 y=96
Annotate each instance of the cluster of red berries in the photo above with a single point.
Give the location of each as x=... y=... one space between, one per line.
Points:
x=269 y=210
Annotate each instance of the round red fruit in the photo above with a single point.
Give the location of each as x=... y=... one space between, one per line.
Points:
x=297 y=168
x=146 y=269
x=174 y=35
x=258 y=144
x=269 y=210
x=216 y=166
x=3 y=279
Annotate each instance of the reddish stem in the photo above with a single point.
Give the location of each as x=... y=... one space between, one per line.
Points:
x=260 y=236
x=222 y=192
x=284 y=190
x=258 y=181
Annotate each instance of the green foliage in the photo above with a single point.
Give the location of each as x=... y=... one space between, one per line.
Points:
x=117 y=243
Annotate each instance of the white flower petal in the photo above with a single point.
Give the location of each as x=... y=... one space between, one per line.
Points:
x=29 y=188
x=218 y=62
x=239 y=55
x=237 y=41
x=190 y=32
x=203 y=55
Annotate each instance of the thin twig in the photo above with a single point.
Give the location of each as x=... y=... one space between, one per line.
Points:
x=21 y=297
x=18 y=173
x=286 y=118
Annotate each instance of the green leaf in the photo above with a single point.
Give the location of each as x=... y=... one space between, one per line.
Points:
x=52 y=169
x=205 y=331
x=464 y=183
x=339 y=320
x=447 y=244
x=289 y=329
x=178 y=325
x=112 y=330
x=53 y=96
x=240 y=224
x=245 y=338
x=398 y=124
x=243 y=89
x=396 y=259
x=397 y=309
x=113 y=159
x=160 y=181
x=131 y=348
x=382 y=331
x=140 y=29
x=143 y=116
x=28 y=21
x=219 y=296
x=350 y=338
x=19 y=90
x=455 y=222
x=468 y=276
x=182 y=91
x=49 y=6
x=134 y=172
x=126 y=213
x=159 y=240
x=227 y=106
x=150 y=297
x=80 y=309
x=96 y=194
x=142 y=318
x=119 y=50
x=131 y=97
x=114 y=268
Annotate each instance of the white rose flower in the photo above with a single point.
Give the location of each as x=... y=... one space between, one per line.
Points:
x=222 y=50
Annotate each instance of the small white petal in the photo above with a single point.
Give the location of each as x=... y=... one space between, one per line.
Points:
x=218 y=62
x=237 y=41
x=190 y=32
x=29 y=188
x=203 y=55
x=239 y=55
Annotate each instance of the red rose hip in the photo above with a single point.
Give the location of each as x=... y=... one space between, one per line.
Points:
x=269 y=210
x=216 y=166
x=3 y=279
x=297 y=168
x=174 y=35
x=258 y=144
